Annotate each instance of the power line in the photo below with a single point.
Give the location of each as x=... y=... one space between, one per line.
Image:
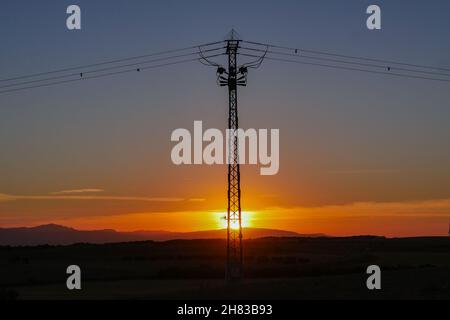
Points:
x=107 y=74
x=82 y=74
x=258 y=62
x=298 y=54
x=348 y=56
x=350 y=68
x=371 y=65
x=109 y=62
x=204 y=60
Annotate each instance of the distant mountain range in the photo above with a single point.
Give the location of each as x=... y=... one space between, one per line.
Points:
x=53 y=234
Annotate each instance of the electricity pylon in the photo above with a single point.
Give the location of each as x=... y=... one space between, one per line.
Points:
x=232 y=78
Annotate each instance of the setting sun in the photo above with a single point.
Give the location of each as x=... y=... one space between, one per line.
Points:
x=222 y=220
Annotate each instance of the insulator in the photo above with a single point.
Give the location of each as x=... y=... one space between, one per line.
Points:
x=220 y=70
x=243 y=70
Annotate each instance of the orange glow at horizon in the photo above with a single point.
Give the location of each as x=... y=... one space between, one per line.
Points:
x=392 y=219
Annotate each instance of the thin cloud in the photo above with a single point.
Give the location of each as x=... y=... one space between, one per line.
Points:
x=78 y=191
x=362 y=171
x=8 y=197
x=197 y=200
x=425 y=208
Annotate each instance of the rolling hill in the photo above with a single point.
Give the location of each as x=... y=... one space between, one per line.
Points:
x=53 y=234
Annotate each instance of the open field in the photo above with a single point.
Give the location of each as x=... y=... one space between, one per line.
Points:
x=276 y=268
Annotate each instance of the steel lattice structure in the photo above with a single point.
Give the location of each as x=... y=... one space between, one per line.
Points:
x=234 y=213
x=232 y=78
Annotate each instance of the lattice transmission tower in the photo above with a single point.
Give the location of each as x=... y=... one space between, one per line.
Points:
x=232 y=77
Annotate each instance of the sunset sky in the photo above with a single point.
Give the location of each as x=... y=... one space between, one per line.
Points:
x=359 y=153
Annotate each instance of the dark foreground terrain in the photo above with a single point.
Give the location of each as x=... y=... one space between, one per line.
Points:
x=276 y=268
